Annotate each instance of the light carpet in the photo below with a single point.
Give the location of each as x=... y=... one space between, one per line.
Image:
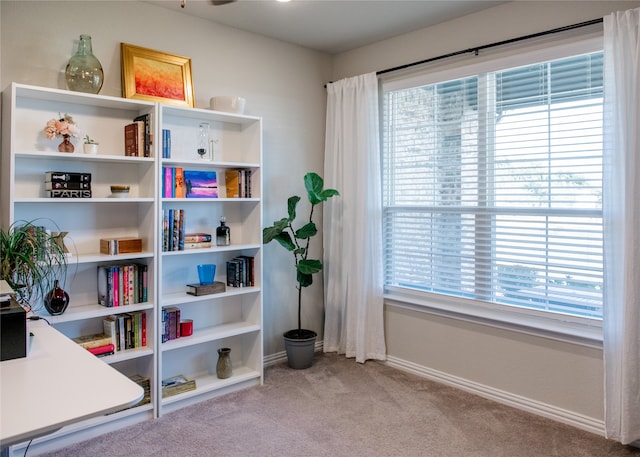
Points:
x=342 y=408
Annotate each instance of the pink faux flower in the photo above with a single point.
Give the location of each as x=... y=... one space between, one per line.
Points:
x=62 y=126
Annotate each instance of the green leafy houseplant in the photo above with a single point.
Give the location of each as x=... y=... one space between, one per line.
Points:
x=31 y=260
x=297 y=241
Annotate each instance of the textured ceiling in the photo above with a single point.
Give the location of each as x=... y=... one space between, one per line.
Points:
x=331 y=26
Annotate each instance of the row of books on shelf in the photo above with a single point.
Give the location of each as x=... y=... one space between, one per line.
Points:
x=138 y=137
x=67 y=184
x=173 y=236
x=238 y=183
x=180 y=183
x=120 y=332
x=122 y=284
x=145 y=383
x=240 y=271
x=170 y=323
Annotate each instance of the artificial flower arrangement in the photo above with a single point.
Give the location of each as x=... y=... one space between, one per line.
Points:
x=63 y=126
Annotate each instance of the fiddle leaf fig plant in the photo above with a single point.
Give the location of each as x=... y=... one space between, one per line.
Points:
x=297 y=240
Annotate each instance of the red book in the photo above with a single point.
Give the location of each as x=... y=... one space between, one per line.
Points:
x=144 y=329
x=116 y=285
x=131 y=139
x=102 y=349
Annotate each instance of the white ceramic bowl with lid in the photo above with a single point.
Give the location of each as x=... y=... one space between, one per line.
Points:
x=228 y=104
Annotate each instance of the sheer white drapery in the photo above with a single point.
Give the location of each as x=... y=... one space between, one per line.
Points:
x=352 y=229
x=621 y=207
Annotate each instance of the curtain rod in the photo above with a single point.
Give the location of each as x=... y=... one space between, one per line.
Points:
x=477 y=49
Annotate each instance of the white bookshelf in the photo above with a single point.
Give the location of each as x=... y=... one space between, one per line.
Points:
x=26 y=155
x=232 y=318
x=229 y=319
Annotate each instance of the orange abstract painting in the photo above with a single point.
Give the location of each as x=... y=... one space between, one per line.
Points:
x=158 y=79
x=156 y=76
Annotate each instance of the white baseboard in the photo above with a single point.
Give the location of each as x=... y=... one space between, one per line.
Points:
x=526 y=404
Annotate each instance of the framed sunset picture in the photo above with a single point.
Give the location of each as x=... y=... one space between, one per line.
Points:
x=201 y=184
x=156 y=76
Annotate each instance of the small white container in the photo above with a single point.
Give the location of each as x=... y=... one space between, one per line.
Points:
x=228 y=104
x=90 y=148
x=120 y=191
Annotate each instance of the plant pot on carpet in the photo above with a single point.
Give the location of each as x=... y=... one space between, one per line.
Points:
x=299 y=342
x=32 y=261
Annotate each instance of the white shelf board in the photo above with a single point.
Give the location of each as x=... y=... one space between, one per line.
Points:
x=75 y=313
x=183 y=297
x=83 y=157
x=206 y=335
x=207 y=383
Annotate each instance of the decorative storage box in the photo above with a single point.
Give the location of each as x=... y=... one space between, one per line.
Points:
x=120 y=245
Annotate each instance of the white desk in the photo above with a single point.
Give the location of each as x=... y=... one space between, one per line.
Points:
x=57 y=384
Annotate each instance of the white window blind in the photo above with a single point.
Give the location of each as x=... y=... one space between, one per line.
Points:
x=492 y=187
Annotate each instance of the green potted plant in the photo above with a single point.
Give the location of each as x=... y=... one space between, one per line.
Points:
x=90 y=145
x=32 y=262
x=299 y=342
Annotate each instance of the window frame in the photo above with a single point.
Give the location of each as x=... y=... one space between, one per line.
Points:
x=585 y=331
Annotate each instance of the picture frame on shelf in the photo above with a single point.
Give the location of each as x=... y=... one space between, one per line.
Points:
x=201 y=184
x=156 y=76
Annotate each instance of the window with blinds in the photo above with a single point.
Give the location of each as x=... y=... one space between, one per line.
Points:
x=492 y=187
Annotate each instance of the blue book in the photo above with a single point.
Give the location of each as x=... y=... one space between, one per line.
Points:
x=166 y=143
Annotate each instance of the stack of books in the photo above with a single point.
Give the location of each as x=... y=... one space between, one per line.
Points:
x=143 y=382
x=197 y=240
x=99 y=344
x=66 y=184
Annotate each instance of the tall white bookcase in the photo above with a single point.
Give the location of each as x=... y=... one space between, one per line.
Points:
x=230 y=319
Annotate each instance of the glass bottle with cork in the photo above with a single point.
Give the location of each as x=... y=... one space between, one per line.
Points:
x=223 y=233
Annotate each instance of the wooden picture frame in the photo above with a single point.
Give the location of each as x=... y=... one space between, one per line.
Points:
x=156 y=76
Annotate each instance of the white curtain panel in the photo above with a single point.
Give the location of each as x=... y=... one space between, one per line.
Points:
x=352 y=228
x=621 y=207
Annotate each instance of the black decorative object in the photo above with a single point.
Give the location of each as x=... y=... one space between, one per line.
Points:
x=56 y=301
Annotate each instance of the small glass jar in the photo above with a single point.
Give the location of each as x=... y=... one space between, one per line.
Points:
x=203 y=146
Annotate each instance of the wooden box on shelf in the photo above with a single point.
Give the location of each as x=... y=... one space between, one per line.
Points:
x=115 y=246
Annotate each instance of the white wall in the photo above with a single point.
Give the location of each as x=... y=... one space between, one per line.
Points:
x=559 y=378
x=283 y=83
